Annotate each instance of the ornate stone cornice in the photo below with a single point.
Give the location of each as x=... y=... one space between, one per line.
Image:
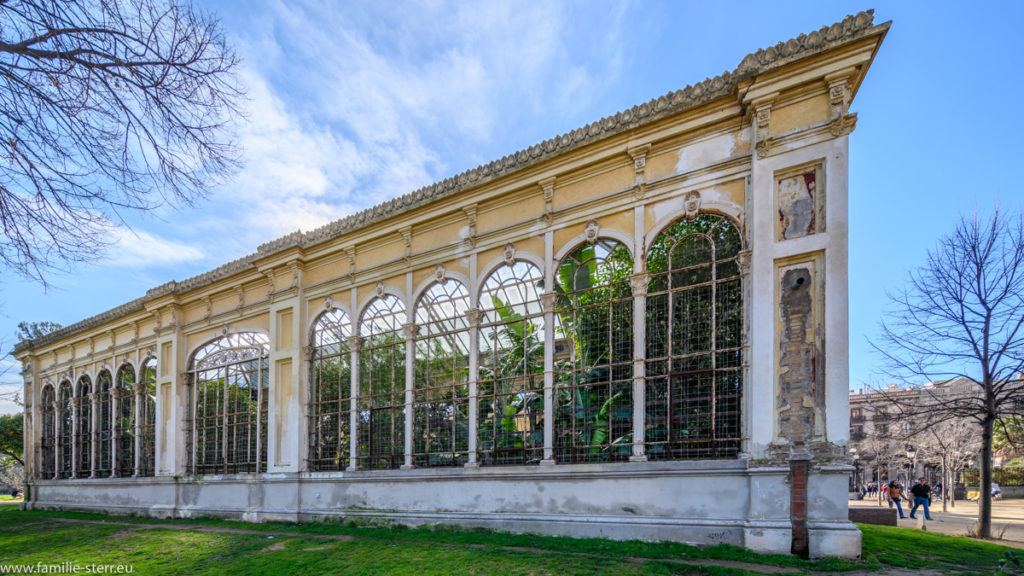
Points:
x=722 y=86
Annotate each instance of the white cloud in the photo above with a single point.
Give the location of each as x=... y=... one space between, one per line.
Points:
x=140 y=249
x=351 y=107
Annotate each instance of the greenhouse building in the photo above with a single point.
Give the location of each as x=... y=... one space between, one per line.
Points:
x=637 y=329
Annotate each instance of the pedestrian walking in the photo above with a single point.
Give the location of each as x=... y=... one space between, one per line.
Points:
x=922 y=497
x=895 y=496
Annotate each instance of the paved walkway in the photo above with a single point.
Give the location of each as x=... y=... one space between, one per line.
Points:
x=1007 y=519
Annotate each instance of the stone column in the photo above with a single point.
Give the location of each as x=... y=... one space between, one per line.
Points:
x=94 y=403
x=473 y=318
x=549 y=300
x=74 y=432
x=140 y=390
x=410 y=330
x=354 y=345
x=115 y=433
x=638 y=282
x=56 y=439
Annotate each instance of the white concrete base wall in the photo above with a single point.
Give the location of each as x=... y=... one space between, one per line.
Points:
x=694 y=502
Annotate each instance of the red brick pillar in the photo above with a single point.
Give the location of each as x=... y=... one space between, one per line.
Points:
x=798 y=506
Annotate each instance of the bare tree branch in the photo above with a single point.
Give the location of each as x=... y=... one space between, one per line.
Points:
x=106 y=106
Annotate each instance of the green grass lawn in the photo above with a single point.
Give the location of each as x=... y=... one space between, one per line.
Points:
x=207 y=546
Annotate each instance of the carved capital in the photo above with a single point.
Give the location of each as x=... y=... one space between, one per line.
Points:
x=843 y=126
x=473 y=316
x=639 y=282
x=354 y=343
x=410 y=330
x=743 y=260
x=549 y=300
x=140 y=388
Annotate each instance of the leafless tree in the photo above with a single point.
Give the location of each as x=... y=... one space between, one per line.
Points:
x=106 y=106
x=953 y=442
x=961 y=316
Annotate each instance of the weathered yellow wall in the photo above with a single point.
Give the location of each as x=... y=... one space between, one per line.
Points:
x=596 y=186
x=799 y=114
x=497 y=216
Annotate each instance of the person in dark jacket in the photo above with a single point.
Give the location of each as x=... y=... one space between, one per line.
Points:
x=922 y=497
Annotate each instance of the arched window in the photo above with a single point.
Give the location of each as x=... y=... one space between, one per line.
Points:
x=694 y=328
x=228 y=405
x=330 y=392
x=382 y=384
x=104 y=431
x=83 y=428
x=49 y=434
x=147 y=439
x=441 y=396
x=511 y=382
x=65 y=434
x=124 y=421
x=594 y=355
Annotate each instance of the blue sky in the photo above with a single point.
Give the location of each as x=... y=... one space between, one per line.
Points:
x=351 y=104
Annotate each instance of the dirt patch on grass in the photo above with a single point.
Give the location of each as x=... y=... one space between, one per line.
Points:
x=122 y=534
x=276 y=546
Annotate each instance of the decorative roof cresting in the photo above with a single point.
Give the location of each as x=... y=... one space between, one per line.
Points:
x=804 y=45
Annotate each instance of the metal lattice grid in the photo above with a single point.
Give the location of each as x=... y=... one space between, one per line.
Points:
x=381 y=401
x=83 y=428
x=694 y=341
x=147 y=437
x=330 y=392
x=227 y=423
x=124 y=421
x=47 y=447
x=103 y=431
x=441 y=393
x=511 y=382
x=594 y=355
x=65 y=404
